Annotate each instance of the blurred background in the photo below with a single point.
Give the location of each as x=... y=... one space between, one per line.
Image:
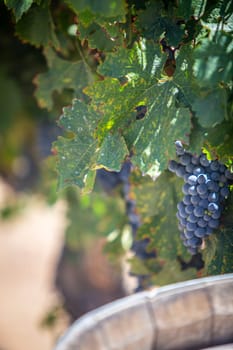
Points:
x=56 y=255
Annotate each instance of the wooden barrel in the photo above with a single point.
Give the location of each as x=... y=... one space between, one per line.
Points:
x=194 y=314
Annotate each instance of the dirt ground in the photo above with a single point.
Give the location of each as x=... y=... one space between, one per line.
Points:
x=30 y=244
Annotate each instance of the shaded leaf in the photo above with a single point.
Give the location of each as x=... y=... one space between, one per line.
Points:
x=112 y=151
x=211 y=107
x=156 y=204
x=36 y=27
x=99 y=37
x=214 y=60
x=62 y=74
x=171 y=273
x=219 y=251
x=19 y=7
x=111 y=8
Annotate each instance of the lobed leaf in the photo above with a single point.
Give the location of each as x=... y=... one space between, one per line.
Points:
x=211 y=107
x=77 y=155
x=156 y=204
x=62 y=74
x=19 y=7
x=36 y=27
x=214 y=60
x=111 y=8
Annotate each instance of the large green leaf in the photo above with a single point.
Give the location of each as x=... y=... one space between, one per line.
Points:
x=19 y=7
x=77 y=154
x=219 y=247
x=113 y=150
x=211 y=107
x=99 y=37
x=36 y=27
x=214 y=60
x=155 y=22
x=156 y=204
x=116 y=99
x=62 y=74
x=111 y=8
x=144 y=60
x=153 y=137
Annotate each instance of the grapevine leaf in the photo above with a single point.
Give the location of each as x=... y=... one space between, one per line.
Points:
x=61 y=74
x=154 y=24
x=143 y=60
x=36 y=27
x=156 y=204
x=217 y=141
x=174 y=32
x=150 y=21
x=99 y=37
x=171 y=273
x=210 y=107
x=219 y=251
x=195 y=8
x=77 y=155
x=113 y=150
x=163 y=122
x=141 y=68
x=114 y=102
x=214 y=60
x=111 y=8
x=19 y=7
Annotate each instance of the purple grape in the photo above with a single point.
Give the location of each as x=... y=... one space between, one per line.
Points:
x=192 y=190
x=188 y=234
x=198 y=170
x=202 y=178
x=212 y=207
x=202 y=223
x=216 y=214
x=180 y=171
x=189 y=209
x=195 y=199
x=192 y=180
x=203 y=203
x=202 y=189
x=194 y=242
x=173 y=165
x=215 y=176
x=195 y=160
x=187 y=199
x=228 y=175
x=200 y=232
x=204 y=161
x=198 y=211
x=185 y=188
x=213 y=197
x=206 y=185
x=191 y=226
x=189 y=168
x=214 y=165
x=192 y=218
x=213 y=223
x=224 y=192
x=185 y=159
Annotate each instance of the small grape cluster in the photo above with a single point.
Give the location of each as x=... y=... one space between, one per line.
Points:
x=205 y=189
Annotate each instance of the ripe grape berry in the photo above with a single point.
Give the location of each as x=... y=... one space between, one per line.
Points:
x=205 y=190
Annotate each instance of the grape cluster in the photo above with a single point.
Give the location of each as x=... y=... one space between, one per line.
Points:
x=205 y=189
